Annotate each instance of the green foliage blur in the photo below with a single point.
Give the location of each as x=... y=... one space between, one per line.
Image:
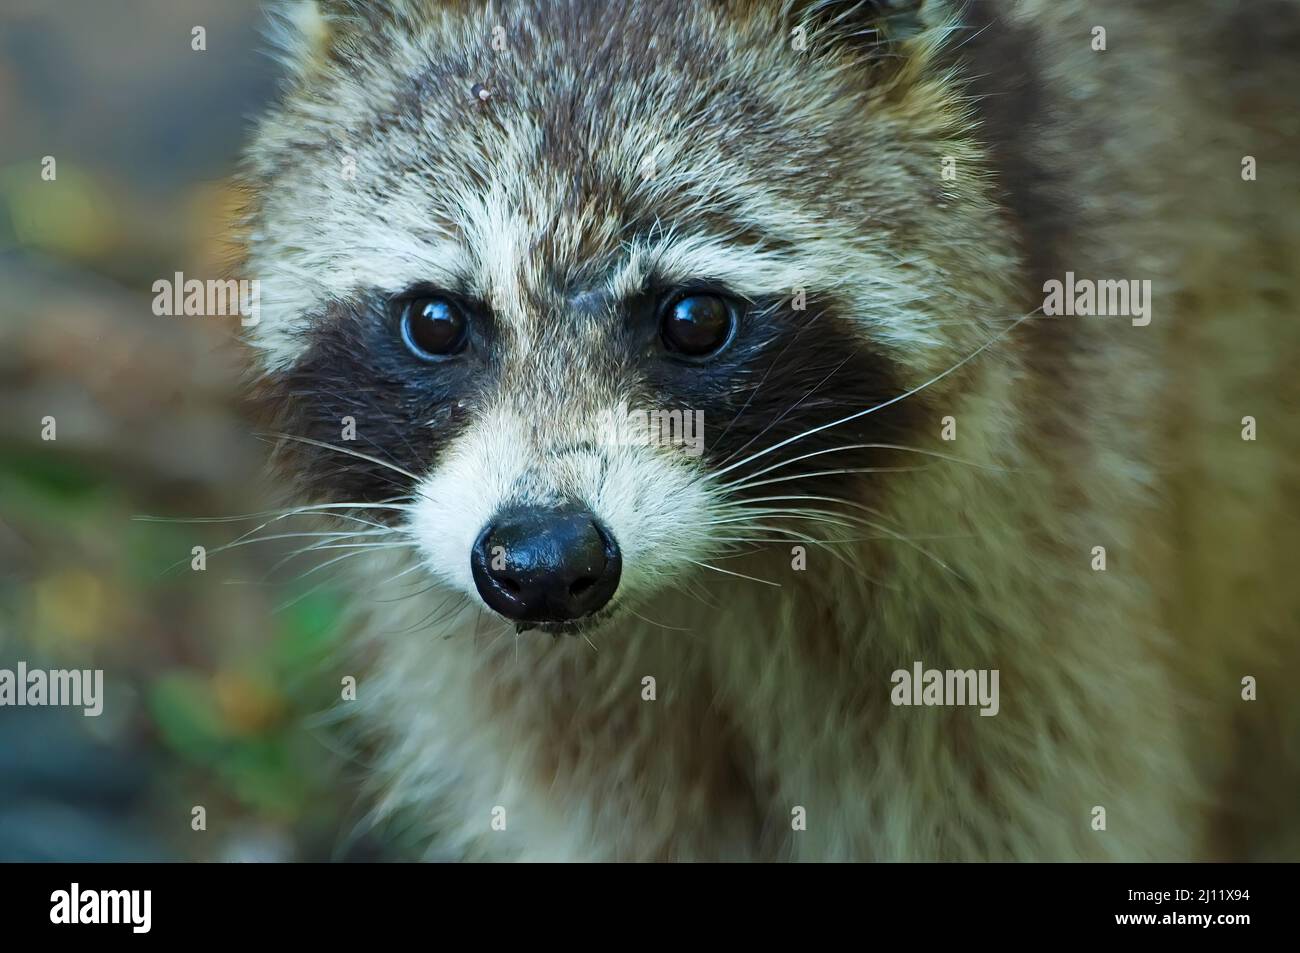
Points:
x=221 y=685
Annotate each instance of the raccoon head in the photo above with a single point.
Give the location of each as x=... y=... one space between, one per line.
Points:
x=611 y=289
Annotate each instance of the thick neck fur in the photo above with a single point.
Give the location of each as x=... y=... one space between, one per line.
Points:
x=769 y=700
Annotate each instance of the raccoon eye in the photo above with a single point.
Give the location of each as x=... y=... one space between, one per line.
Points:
x=433 y=328
x=698 y=324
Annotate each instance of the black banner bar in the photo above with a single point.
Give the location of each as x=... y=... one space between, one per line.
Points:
x=335 y=902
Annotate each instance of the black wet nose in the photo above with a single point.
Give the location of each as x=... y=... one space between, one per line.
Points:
x=538 y=564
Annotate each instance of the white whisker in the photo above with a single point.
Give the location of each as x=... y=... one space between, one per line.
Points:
x=881 y=406
x=728 y=572
x=350 y=452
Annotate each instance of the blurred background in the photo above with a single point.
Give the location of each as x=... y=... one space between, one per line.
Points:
x=218 y=683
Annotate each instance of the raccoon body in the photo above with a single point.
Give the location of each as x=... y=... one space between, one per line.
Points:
x=832 y=230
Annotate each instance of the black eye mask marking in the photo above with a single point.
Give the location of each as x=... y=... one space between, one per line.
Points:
x=783 y=373
x=405 y=410
x=787 y=372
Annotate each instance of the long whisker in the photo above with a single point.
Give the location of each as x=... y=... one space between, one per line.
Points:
x=458 y=603
x=348 y=517
x=317 y=547
x=309 y=509
x=759 y=386
x=245 y=541
x=798 y=403
x=767 y=540
x=835 y=519
x=728 y=572
x=358 y=550
x=881 y=406
x=828 y=545
x=368 y=395
x=285 y=606
x=740 y=484
x=352 y=453
x=673 y=628
x=329 y=562
x=250 y=537
x=410 y=595
x=871 y=523
x=816 y=473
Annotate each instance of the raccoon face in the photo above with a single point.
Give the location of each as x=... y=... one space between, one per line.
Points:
x=609 y=290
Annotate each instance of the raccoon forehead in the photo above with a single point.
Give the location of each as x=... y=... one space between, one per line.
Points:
x=618 y=141
x=598 y=116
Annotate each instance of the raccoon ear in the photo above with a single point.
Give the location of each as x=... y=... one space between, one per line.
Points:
x=874 y=29
x=303 y=31
x=890 y=19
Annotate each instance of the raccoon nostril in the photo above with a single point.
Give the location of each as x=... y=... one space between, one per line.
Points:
x=550 y=564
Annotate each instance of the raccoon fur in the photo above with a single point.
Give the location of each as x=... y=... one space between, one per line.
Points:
x=833 y=232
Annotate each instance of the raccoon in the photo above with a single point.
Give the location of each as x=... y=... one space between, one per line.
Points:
x=986 y=312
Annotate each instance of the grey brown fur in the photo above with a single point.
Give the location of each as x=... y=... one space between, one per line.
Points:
x=775 y=169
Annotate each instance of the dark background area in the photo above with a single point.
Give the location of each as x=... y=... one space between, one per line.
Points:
x=219 y=684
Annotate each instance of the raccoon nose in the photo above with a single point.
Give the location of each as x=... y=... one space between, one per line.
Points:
x=535 y=564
